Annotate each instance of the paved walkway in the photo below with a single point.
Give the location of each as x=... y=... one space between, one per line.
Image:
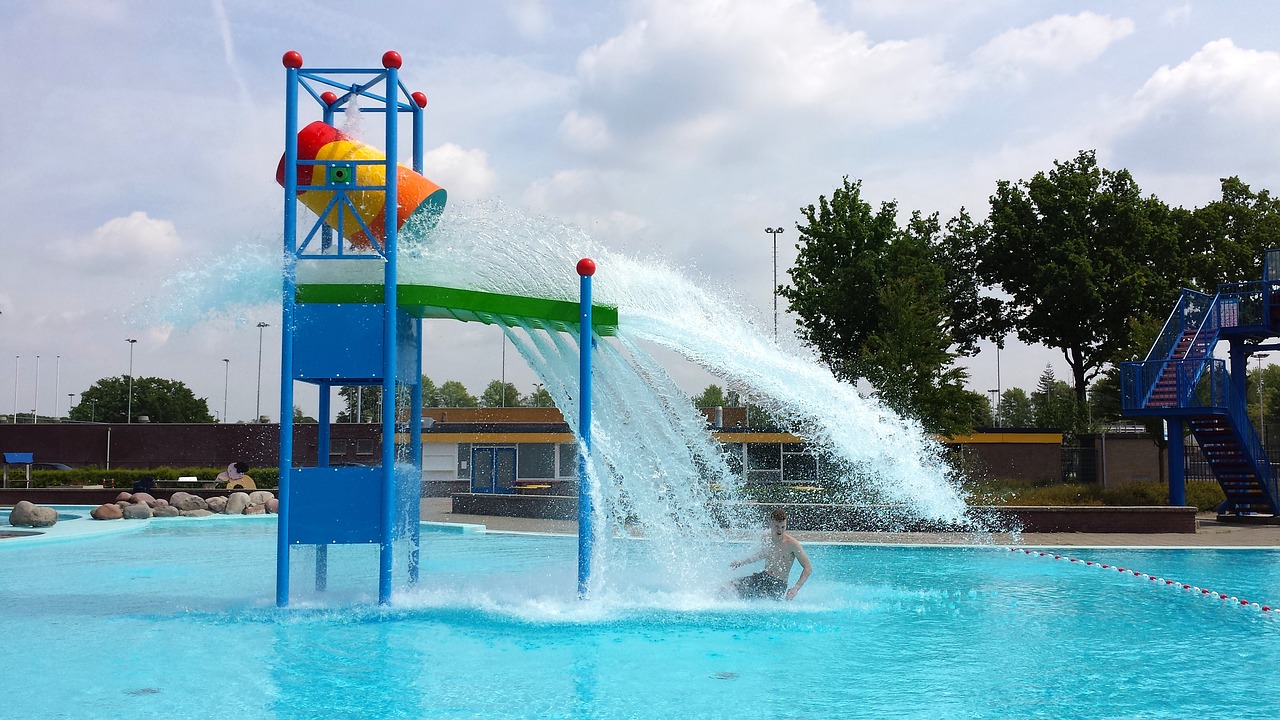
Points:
x=1210 y=533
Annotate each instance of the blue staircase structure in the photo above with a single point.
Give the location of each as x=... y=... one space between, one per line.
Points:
x=1182 y=382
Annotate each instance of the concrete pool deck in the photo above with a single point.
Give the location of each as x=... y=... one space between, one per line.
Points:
x=1210 y=532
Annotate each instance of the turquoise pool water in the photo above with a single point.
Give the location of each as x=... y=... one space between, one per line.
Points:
x=176 y=621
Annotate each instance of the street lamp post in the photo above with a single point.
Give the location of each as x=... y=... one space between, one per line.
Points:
x=775 y=232
x=257 y=409
x=226 y=381
x=57 y=378
x=17 y=363
x=128 y=406
x=71 y=398
x=1262 y=423
x=995 y=406
x=93 y=410
x=35 y=401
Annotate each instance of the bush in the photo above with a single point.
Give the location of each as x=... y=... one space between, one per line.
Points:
x=263 y=477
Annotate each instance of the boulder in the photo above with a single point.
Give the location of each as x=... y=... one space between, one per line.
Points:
x=236 y=503
x=160 y=502
x=256 y=509
x=196 y=513
x=215 y=504
x=27 y=514
x=165 y=511
x=141 y=497
x=187 y=501
x=260 y=497
x=273 y=506
x=124 y=497
x=109 y=511
x=141 y=511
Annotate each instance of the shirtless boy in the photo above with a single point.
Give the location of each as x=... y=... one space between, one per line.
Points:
x=778 y=551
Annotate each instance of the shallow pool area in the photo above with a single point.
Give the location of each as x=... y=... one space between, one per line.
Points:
x=177 y=620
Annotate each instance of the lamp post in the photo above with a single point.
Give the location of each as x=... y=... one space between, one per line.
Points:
x=93 y=410
x=17 y=363
x=257 y=409
x=57 y=378
x=128 y=406
x=226 y=381
x=35 y=401
x=71 y=400
x=775 y=232
x=1262 y=423
x=995 y=406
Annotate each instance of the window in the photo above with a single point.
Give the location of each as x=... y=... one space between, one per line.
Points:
x=464 y=461
x=764 y=456
x=568 y=460
x=536 y=461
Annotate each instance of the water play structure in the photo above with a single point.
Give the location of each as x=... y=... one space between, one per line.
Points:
x=337 y=331
x=1182 y=382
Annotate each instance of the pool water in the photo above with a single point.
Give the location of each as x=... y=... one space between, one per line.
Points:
x=177 y=621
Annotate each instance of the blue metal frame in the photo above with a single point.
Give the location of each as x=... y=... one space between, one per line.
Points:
x=397 y=99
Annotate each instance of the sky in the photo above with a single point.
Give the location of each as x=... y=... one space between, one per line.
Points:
x=142 y=138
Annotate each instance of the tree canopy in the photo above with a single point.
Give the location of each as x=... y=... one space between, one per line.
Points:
x=157 y=399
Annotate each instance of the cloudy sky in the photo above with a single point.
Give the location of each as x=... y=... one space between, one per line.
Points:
x=142 y=137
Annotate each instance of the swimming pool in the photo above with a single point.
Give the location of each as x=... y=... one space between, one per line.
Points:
x=177 y=621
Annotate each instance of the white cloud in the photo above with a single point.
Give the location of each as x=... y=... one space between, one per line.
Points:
x=1217 y=109
x=464 y=174
x=1177 y=15
x=530 y=17
x=132 y=240
x=584 y=132
x=585 y=198
x=685 y=72
x=1061 y=43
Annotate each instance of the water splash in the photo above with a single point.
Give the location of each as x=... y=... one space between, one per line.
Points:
x=658 y=473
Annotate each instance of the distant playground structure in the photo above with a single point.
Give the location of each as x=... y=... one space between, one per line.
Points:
x=1182 y=382
x=348 y=330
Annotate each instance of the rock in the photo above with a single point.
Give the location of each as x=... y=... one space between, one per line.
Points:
x=260 y=497
x=160 y=502
x=236 y=503
x=256 y=509
x=141 y=497
x=109 y=511
x=216 y=504
x=27 y=514
x=273 y=506
x=187 y=501
x=141 y=511
x=196 y=513
x=122 y=504
x=124 y=497
x=165 y=511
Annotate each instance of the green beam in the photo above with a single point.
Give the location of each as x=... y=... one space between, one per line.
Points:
x=429 y=301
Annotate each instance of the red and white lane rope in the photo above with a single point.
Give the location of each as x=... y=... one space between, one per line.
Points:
x=1166 y=582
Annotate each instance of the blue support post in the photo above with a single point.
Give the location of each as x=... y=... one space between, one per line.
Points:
x=290 y=283
x=389 y=338
x=1177 y=478
x=586 y=527
x=323 y=443
x=415 y=454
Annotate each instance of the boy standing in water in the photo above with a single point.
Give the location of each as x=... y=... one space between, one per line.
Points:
x=778 y=552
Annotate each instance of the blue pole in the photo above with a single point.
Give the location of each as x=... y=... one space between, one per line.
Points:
x=292 y=62
x=586 y=529
x=1177 y=480
x=415 y=412
x=323 y=442
x=389 y=332
x=326 y=232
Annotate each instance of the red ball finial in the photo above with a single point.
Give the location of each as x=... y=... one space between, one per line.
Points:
x=420 y=98
x=586 y=267
x=328 y=97
x=391 y=59
x=292 y=59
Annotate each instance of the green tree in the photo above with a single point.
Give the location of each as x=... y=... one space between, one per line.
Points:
x=430 y=393
x=1053 y=404
x=454 y=394
x=369 y=398
x=1077 y=252
x=1104 y=398
x=711 y=396
x=500 y=394
x=1226 y=239
x=873 y=300
x=157 y=399
x=300 y=417
x=540 y=398
x=1015 y=409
